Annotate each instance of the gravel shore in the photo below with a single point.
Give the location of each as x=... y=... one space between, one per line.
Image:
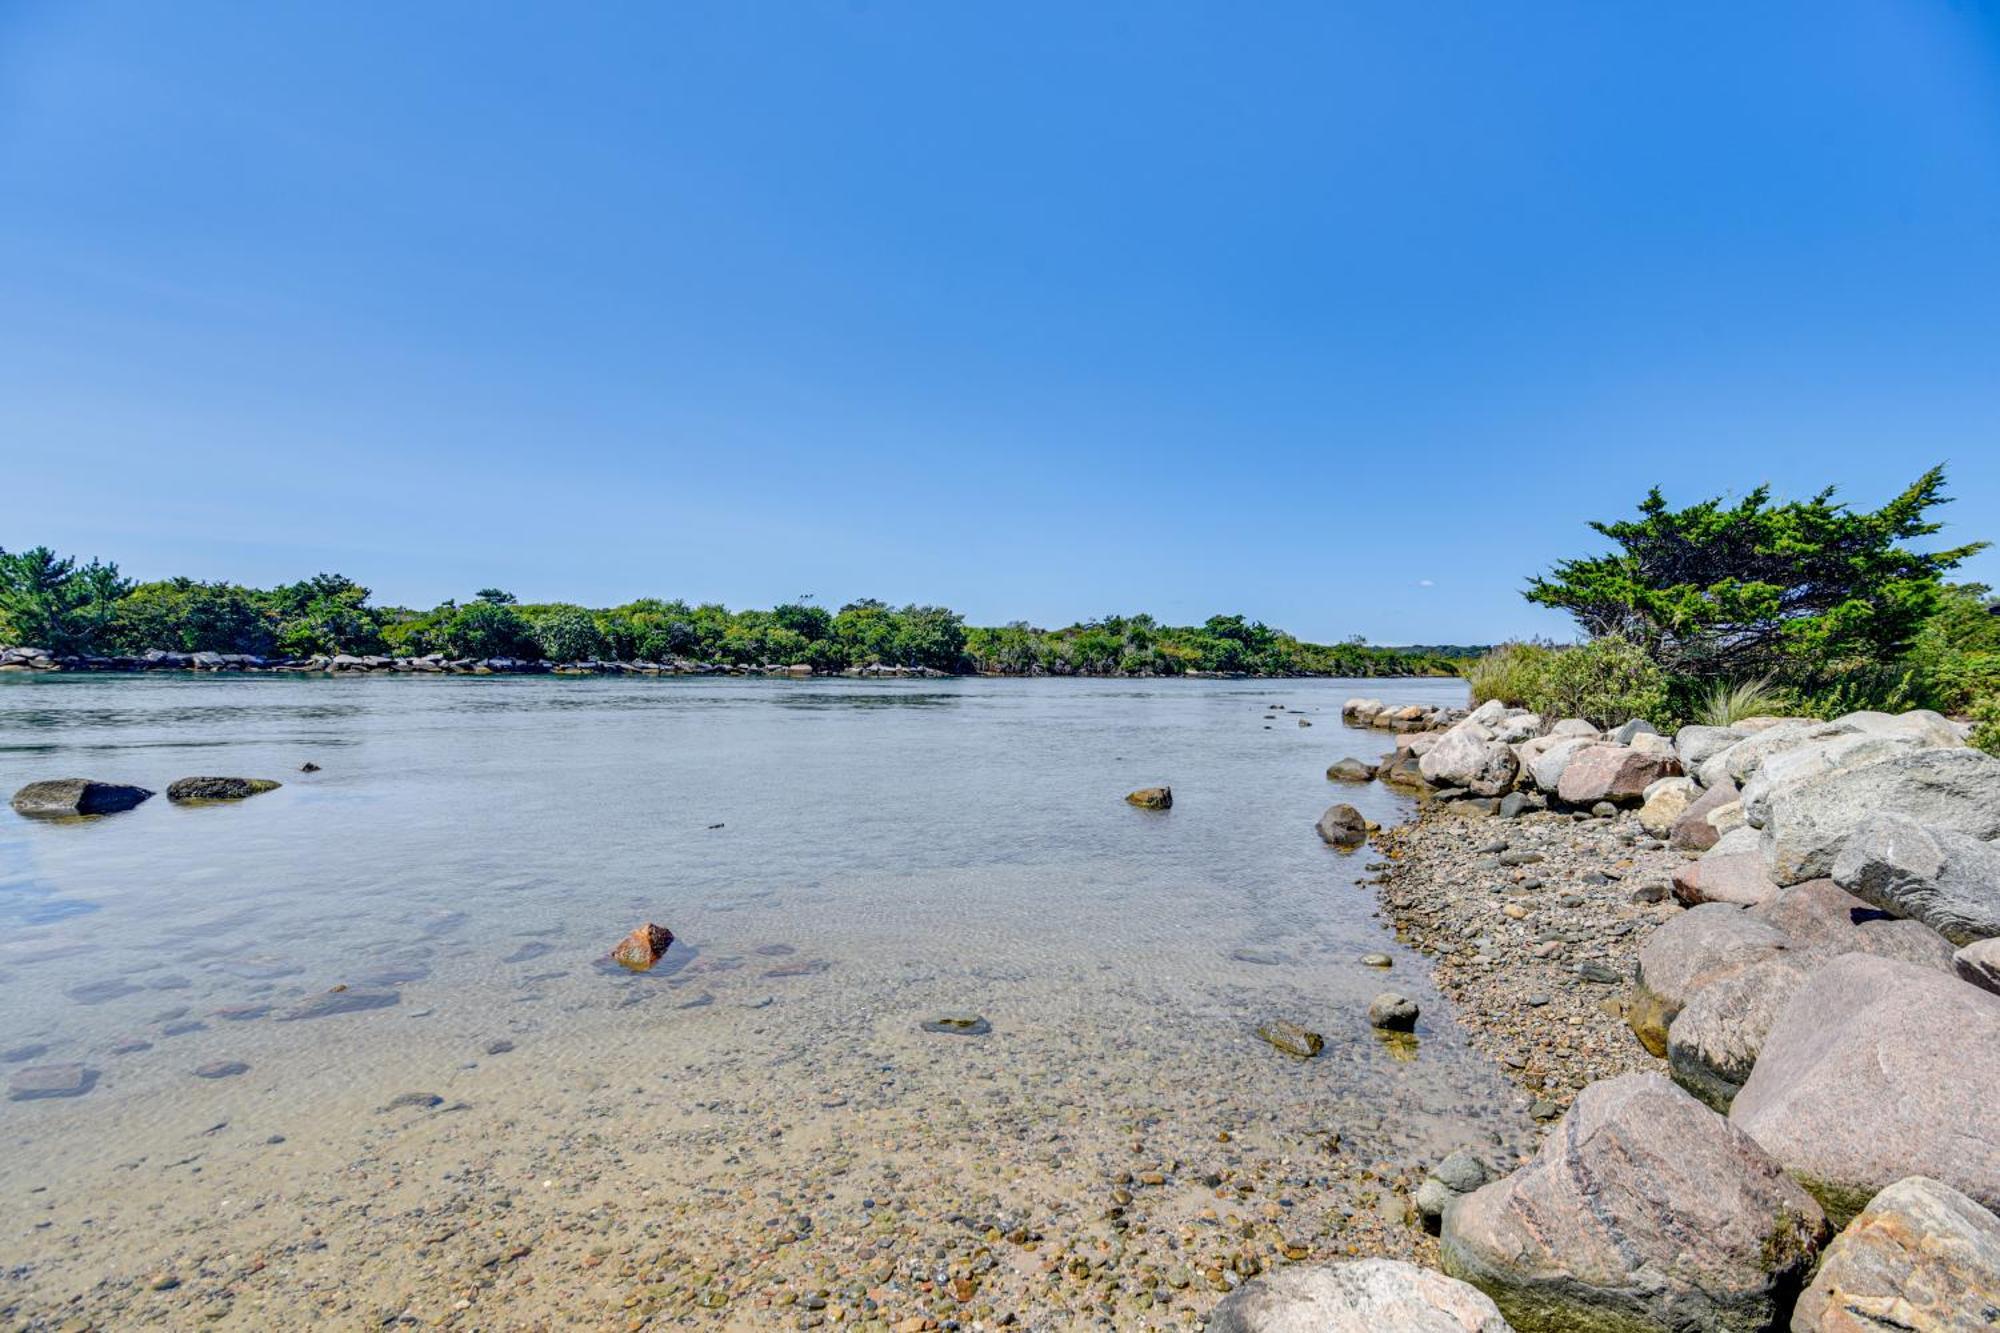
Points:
x=1532 y=926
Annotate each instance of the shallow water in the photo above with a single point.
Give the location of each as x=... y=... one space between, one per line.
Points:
x=839 y=860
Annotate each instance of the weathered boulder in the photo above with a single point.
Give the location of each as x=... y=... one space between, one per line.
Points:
x=1836 y=754
x=1979 y=963
x=1516 y=726
x=1632 y=730
x=1342 y=826
x=1356 y=1296
x=1468 y=756
x=1807 y=822
x=1663 y=803
x=1920 y=1256
x=1712 y=1043
x=1575 y=726
x=1615 y=773
x=1547 y=757
x=1732 y=871
x=1921 y=724
x=1693 y=831
x=1350 y=770
x=1823 y=920
x=1152 y=798
x=218 y=789
x=55 y=797
x=645 y=946
x=1943 y=878
x=1695 y=745
x=1688 y=952
x=1643 y=1209
x=1876 y=1070
x=1737 y=762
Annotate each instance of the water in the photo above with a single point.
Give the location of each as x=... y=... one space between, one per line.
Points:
x=839 y=861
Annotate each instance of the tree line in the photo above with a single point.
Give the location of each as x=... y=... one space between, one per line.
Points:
x=74 y=608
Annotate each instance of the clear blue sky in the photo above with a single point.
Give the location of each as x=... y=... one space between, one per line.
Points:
x=1344 y=316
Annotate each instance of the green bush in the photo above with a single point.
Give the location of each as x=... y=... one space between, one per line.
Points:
x=1607 y=681
x=1986 y=724
x=1513 y=673
x=1724 y=704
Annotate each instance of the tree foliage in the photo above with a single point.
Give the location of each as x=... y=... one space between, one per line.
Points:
x=1800 y=591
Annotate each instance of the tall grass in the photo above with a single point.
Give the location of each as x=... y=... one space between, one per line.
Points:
x=1513 y=673
x=1724 y=704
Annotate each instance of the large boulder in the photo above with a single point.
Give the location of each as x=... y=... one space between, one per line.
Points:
x=1921 y=724
x=1468 y=756
x=1823 y=920
x=1643 y=1209
x=1876 y=1070
x=1732 y=871
x=1713 y=1042
x=1616 y=773
x=1836 y=754
x=1737 y=762
x=55 y=797
x=1575 y=726
x=1695 y=745
x=1357 y=1296
x=1350 y=770
x=1694 y=831
x=1688 y=952
x=1342 y=826
x=1943 y=878
x=1546 y=762
x=1920 y=1256
x=1806 y=822
x=1980 y=964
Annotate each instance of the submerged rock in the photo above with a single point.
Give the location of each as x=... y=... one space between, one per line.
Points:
x=1920 y=1256
x=1356 y=1296
x=645 y=946
x=1393 y=1012
x=56 y=797
x=218 y=789
x=1292 y=1039
x=1643 y=1209
x=1879 y=1069
x=37 y=1082
x=339 y=1002
x=1342 y=826
x=1152 y=798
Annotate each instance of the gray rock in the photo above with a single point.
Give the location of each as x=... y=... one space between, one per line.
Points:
x=1643 y=1209
x=1688 y=952
x=1293 y=1040
x=1449 y=1181
x=1350 y=770
x=1836 y=754
x=1356 y=1296
x=1575 y=726
x=1807 y=822
x=1632 y=730
x=1943 y=878
x=1876 y=1070
x=1612 y=773
x=329 y=1003
x=1713 y=1042
x=56 y=797
x=1736 y=763
x=1979 y=963
x=1396 y=1013
x=38 y=1082
x=1342 y=826
x=218 y=789
x=1933 y=729
x=1920 y=1256
x=1696 y=745
x=1468 y=756
x=1547 y=762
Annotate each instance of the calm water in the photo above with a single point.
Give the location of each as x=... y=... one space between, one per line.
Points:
x=840 y=860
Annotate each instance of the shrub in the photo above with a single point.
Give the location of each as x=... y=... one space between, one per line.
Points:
x=1607 y=681
x=1513 y=673
x=568 y=634
x=1986 y=724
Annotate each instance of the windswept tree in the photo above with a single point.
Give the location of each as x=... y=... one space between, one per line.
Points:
x=1803 y=592
x=55 y=603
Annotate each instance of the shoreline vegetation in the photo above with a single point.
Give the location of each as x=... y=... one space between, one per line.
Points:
x=62 y=614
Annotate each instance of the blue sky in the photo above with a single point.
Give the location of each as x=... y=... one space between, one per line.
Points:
x=1343 y=316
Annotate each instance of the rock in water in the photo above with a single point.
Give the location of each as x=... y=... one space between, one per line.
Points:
x=39 y=1081
x=1392 y=1012
x=1945 y=879
x=341 y=1001
x=1152 y=798
x=1342 y=826
x=218 y=789
x=1292 y=1039
x=1357 y=1296
x=1919 y=1256
x=1879 y=1069
x=644 y=947
x=1642 y=1210
x=1350 y=770
x=958 y=1025
x=76 y=796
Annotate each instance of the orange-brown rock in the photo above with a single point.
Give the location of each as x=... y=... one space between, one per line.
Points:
x=643 y=947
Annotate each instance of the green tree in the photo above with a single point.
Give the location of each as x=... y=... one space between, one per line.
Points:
x=1800 y=591
x=56 y=604
x=487 y=629
x=183 y=615
x=327 y=613
x=568 y=634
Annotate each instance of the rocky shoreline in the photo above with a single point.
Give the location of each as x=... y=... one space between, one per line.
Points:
x=1753 y=976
